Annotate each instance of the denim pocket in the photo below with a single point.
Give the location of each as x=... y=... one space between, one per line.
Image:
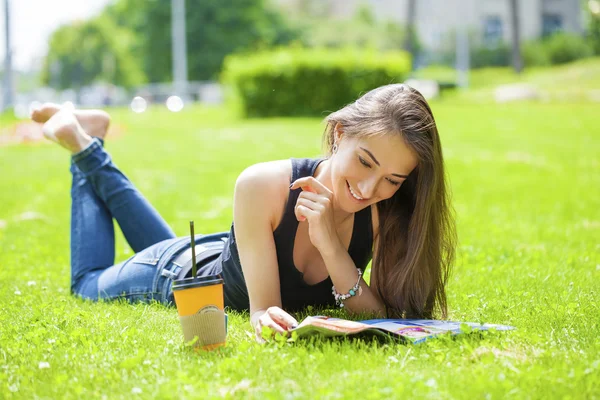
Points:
x=149 y=256
x=142 y=259
x=136 y=278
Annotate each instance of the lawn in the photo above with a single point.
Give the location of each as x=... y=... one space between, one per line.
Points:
x=525 y=180
x=573 y=82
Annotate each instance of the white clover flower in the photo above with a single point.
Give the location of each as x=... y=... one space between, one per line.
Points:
x=136 y=390
x=43 y=365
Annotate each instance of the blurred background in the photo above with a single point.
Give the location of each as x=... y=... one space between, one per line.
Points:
x=175 y=52
x=196 y=89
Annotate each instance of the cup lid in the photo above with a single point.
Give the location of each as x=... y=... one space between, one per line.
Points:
x=189 y=283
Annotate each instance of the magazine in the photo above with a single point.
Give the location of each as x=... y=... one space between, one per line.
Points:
x=406 y=330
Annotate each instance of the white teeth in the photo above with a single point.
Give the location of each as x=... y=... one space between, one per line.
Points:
x=354 y=194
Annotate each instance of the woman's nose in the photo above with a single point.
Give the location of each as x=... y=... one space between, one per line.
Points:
x=368 y=188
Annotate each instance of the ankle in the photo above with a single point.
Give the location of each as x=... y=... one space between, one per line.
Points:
x=82 y=144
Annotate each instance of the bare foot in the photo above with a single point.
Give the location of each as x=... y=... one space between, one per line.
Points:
x=64 y=129
x=94 y=122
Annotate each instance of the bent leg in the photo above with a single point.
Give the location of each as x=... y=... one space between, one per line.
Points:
x=141 y=224
x=136 y=279
x=92 y=230
x=139 y=278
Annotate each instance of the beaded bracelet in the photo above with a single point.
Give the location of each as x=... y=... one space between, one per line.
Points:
x=356 y=290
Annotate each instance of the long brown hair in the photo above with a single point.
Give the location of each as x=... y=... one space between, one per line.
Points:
x=417 y=236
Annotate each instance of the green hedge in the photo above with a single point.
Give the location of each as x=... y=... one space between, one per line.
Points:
x=497 y=56
x=564 y=47
x=535 y=54
x=560 y=48
x=309 y=82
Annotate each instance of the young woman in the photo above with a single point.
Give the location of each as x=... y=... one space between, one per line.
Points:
x=303 y=229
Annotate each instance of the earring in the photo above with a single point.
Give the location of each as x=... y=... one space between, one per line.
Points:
x=334 y=149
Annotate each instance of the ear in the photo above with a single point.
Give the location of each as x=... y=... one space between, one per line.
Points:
x=338 y=131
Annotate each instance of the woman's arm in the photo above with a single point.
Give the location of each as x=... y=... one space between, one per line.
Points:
x=257 y=198
x=315 y=206
x=344 y=275
x=373 y=302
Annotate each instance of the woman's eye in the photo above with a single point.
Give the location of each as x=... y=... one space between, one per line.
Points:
x=366 y=164
x=363 y=162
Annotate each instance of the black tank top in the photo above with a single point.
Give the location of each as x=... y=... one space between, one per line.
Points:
x=296 y=294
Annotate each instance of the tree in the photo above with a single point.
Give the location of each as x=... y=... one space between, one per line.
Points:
x=215 y=28
x=517 y=60
x=319 y=28
x=593 y=14
x=88 y=52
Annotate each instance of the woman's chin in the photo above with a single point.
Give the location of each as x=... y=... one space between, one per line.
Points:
x=343 y=205
x=349 y=206
x=349 y=203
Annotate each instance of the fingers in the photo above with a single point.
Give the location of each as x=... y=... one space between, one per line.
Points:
x=314 y=197
x=303 y=212
x=276 y=319
x=310 y=201
x=268 y=321
x=282 y=318
x=310 y=184
x=310 y=204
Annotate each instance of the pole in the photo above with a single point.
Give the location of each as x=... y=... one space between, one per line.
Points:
x=462 y=56
x=409 y=44
x=8 y=78
x=517 y=60
x=179 y=51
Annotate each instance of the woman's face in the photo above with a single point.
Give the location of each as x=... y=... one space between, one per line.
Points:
x=369 y=169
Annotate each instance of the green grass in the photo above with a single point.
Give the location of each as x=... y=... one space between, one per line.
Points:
x=572 y=82
x=525 y=180
x=7 y=118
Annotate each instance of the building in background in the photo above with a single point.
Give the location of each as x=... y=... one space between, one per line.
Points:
x=436 y=20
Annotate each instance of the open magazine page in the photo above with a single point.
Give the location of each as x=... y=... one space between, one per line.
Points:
x=329 y=326
x=413 y=331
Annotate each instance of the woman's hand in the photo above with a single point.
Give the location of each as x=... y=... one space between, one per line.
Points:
x=315 y=206
x=273 y=317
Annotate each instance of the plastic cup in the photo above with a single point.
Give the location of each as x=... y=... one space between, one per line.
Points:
x=200 y=306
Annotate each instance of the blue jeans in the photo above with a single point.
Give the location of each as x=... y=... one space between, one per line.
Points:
x=99 y=193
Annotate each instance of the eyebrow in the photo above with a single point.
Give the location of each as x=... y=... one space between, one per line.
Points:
x=377 y=162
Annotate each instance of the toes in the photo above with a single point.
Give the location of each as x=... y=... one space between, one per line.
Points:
x=44 y=112
x=94 y=122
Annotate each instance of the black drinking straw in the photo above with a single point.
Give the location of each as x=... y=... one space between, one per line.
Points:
x=194 y=272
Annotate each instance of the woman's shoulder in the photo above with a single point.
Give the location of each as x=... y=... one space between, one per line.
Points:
x=267 y=183
x=270 y=174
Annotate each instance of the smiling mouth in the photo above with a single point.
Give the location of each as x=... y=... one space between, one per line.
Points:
x=354 y=195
